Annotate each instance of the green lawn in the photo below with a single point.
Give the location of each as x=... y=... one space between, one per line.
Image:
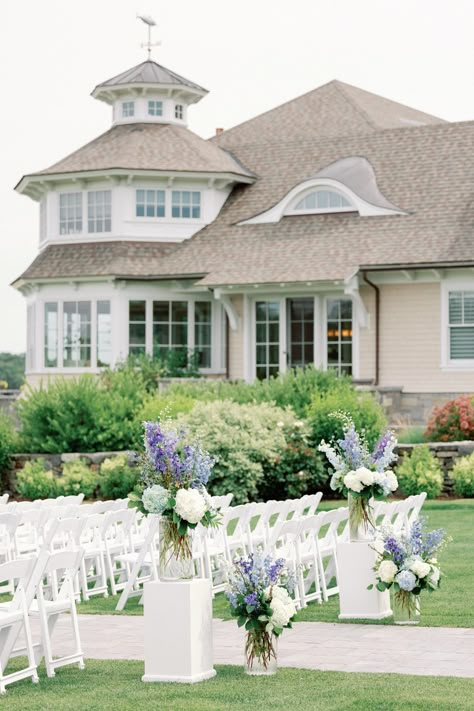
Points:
x=117 y=685
x=448 y=607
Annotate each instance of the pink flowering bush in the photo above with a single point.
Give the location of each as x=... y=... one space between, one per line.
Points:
x=452 y=422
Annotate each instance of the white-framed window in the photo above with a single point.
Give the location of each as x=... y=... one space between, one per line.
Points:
x=267 y=338
x=203 y=332
x=99 y=211
x=150 y=203
x=43 y=219
x=322 y=200
x=77 y=334
x=128 y=109
x=104 y=334
x=178 y=111
x=155 y=108
x=137 y=327
x=30 y=337
x=170 y=326
x=460 y=326
x=186 y=203
x=339 y=335
x=70 y=213
x=51 y=329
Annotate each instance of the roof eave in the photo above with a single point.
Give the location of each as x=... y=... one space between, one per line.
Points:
x=110 y=92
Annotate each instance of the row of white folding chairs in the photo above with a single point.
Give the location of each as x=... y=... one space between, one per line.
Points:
x=398 y=515
x=34 y=593
x=73 y=499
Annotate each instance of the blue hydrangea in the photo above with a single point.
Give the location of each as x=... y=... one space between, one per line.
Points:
x=155 y=499
x=406 y=580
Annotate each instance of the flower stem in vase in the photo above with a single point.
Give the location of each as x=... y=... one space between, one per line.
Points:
x=176 y=558
x=260 y=653
x=361 y=523
x=406 y=608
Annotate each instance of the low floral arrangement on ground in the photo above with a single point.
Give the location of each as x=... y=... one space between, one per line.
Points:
x=259 y=592
x=173 y=482
x=408 y=562
x=358 y=471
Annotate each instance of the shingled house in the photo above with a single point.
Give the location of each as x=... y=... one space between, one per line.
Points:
x=336 y=229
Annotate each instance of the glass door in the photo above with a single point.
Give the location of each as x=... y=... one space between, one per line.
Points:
x=300 y=322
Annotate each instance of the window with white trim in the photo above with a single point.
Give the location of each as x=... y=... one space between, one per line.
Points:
x=178 y=111
x=104 y=334
x=170 y=326
x=323 y=201
x=99 y=211
x=186 y=203
x=267 y=338
x=30 y=336
x=203 y=332
x=155 y=108
x=51 y=335
x=461 y=325
x=128 y=109
x=137 y=327
x=83 y=328
x=339 y=335
x=70 y=213
x=150 y=203
x=77 y=334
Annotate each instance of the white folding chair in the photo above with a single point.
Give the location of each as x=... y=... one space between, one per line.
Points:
x=235 y=523
x=93 y=566
x=223 y=501
x=325 y=539
x=13 y=617
x=285 y=543
x=310 y=504
x=3 y=499
x=116 y=543
x=143 y=563
x=414 y=506
x=9 y=523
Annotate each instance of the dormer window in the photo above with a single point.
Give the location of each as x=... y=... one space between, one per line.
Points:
x=128 y=109
x=322 y=201
x=186 y=203
x=70 y=213
x=155 y=108
x=150 y=203
x=178 y=111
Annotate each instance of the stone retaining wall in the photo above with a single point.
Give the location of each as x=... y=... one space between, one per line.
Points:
x=447 y=453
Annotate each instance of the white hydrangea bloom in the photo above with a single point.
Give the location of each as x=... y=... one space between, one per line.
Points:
x=392 y=480
x=281 y=613
x=365 y=476
x=190 y=505
x=387 y=571
x=420 y=568
x=352 y=482
x=434 y=576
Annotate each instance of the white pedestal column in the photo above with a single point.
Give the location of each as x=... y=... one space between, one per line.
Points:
x=178 y=631
x=355 y=562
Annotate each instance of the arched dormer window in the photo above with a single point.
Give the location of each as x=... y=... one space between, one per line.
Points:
x=321 y=200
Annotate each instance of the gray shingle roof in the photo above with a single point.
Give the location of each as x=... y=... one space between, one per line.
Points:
x=149 y=72
x=148 y=146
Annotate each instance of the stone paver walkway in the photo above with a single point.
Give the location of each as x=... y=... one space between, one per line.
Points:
x=447 y=651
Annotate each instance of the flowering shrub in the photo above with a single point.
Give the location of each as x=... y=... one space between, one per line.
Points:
x=7 y=441
x=452 y=422
x=77 y=478
x=116 y=478
x=36 y=482
x=258 y=591
x=463 y=476
x=420 y=471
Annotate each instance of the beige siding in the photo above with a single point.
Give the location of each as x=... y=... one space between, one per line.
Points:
x=367 y=337
x=236 y=343
x=410 y=341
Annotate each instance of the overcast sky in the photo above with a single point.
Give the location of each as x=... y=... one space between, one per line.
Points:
x=252 y=55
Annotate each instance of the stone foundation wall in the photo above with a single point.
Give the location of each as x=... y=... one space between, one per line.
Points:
x=410 y=408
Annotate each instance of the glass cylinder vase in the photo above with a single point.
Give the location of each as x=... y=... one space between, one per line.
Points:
x=405 y=608
x=361 y=518
x=260 y=653
x=175 y=552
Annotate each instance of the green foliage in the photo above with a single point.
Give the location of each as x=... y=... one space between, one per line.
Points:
x=453 y=421
x=36 y=482
x=463 y=476
x=8 y=441
x=174 y=363
x=12 y=369
x=117 y=479
x=246 y=440
x=77 y=478
x=420 y=471
x=165 y=404
x=367 y=414
x=413 y=434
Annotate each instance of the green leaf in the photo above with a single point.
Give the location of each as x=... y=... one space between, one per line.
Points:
x=241 y=621
x=369 y=587
x=250 y=609
x=381 y=586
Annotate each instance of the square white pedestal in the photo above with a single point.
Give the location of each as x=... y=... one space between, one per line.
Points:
x=178 y=631
x=355 y=562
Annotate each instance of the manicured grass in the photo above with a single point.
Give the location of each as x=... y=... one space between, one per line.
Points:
x=117 y=685
x=448 y=607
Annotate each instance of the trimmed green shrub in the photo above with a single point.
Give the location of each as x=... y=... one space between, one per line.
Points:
x=36 y=482
x=163 y=405
x=452 y=422
x=117 y=479
x=246 y=441
x=364 y=410
x=420 y=471
x=77 y=478
x=7 y=442
x=463 y=476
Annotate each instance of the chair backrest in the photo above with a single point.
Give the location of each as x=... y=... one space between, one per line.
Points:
x=3 y=499
x=64 y=534
x=223 y=501
x=9 y=522
x=73 y=500
x=52 y=503
x=310 y=503
x=19 y=571
x=284 y=536
x=414 y=506
x=64 y=560
x=28 y=505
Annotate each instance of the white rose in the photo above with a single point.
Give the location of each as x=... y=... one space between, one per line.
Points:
x=420 y=568
x=281 y=613
x=392 y=480
x=387 y=571
x=190 y=505
x=352 y=482
x=365 y=476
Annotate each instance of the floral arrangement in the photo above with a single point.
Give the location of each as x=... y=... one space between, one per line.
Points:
x=173 y=483
x=407 y=561
x=258 y=590
x=358 y=471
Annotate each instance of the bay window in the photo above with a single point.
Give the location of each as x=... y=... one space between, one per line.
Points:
x=99 y=211
x=77 y=334
x=70 y=213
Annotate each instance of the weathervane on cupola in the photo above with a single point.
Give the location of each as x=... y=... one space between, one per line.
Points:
x=150 y=22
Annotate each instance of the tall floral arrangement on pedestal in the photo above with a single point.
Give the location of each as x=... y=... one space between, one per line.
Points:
x=172 y=483
x=359 y=472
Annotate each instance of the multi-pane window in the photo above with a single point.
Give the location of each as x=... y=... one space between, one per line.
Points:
x=202 y=332
x=99 y=211
x=323 y=200
x=185 y=203
x=137 y=327
x=51 y=335
x=267 y=338
x=150 y=203
x=339 y=335
x=76 y=334
x=178 y=111
x=104 y=334
x=70 y=213
x=461 y=325
x=128 y=108
x=301 y=332
x=155 y=108
x=170 y=326
x=30 y=336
